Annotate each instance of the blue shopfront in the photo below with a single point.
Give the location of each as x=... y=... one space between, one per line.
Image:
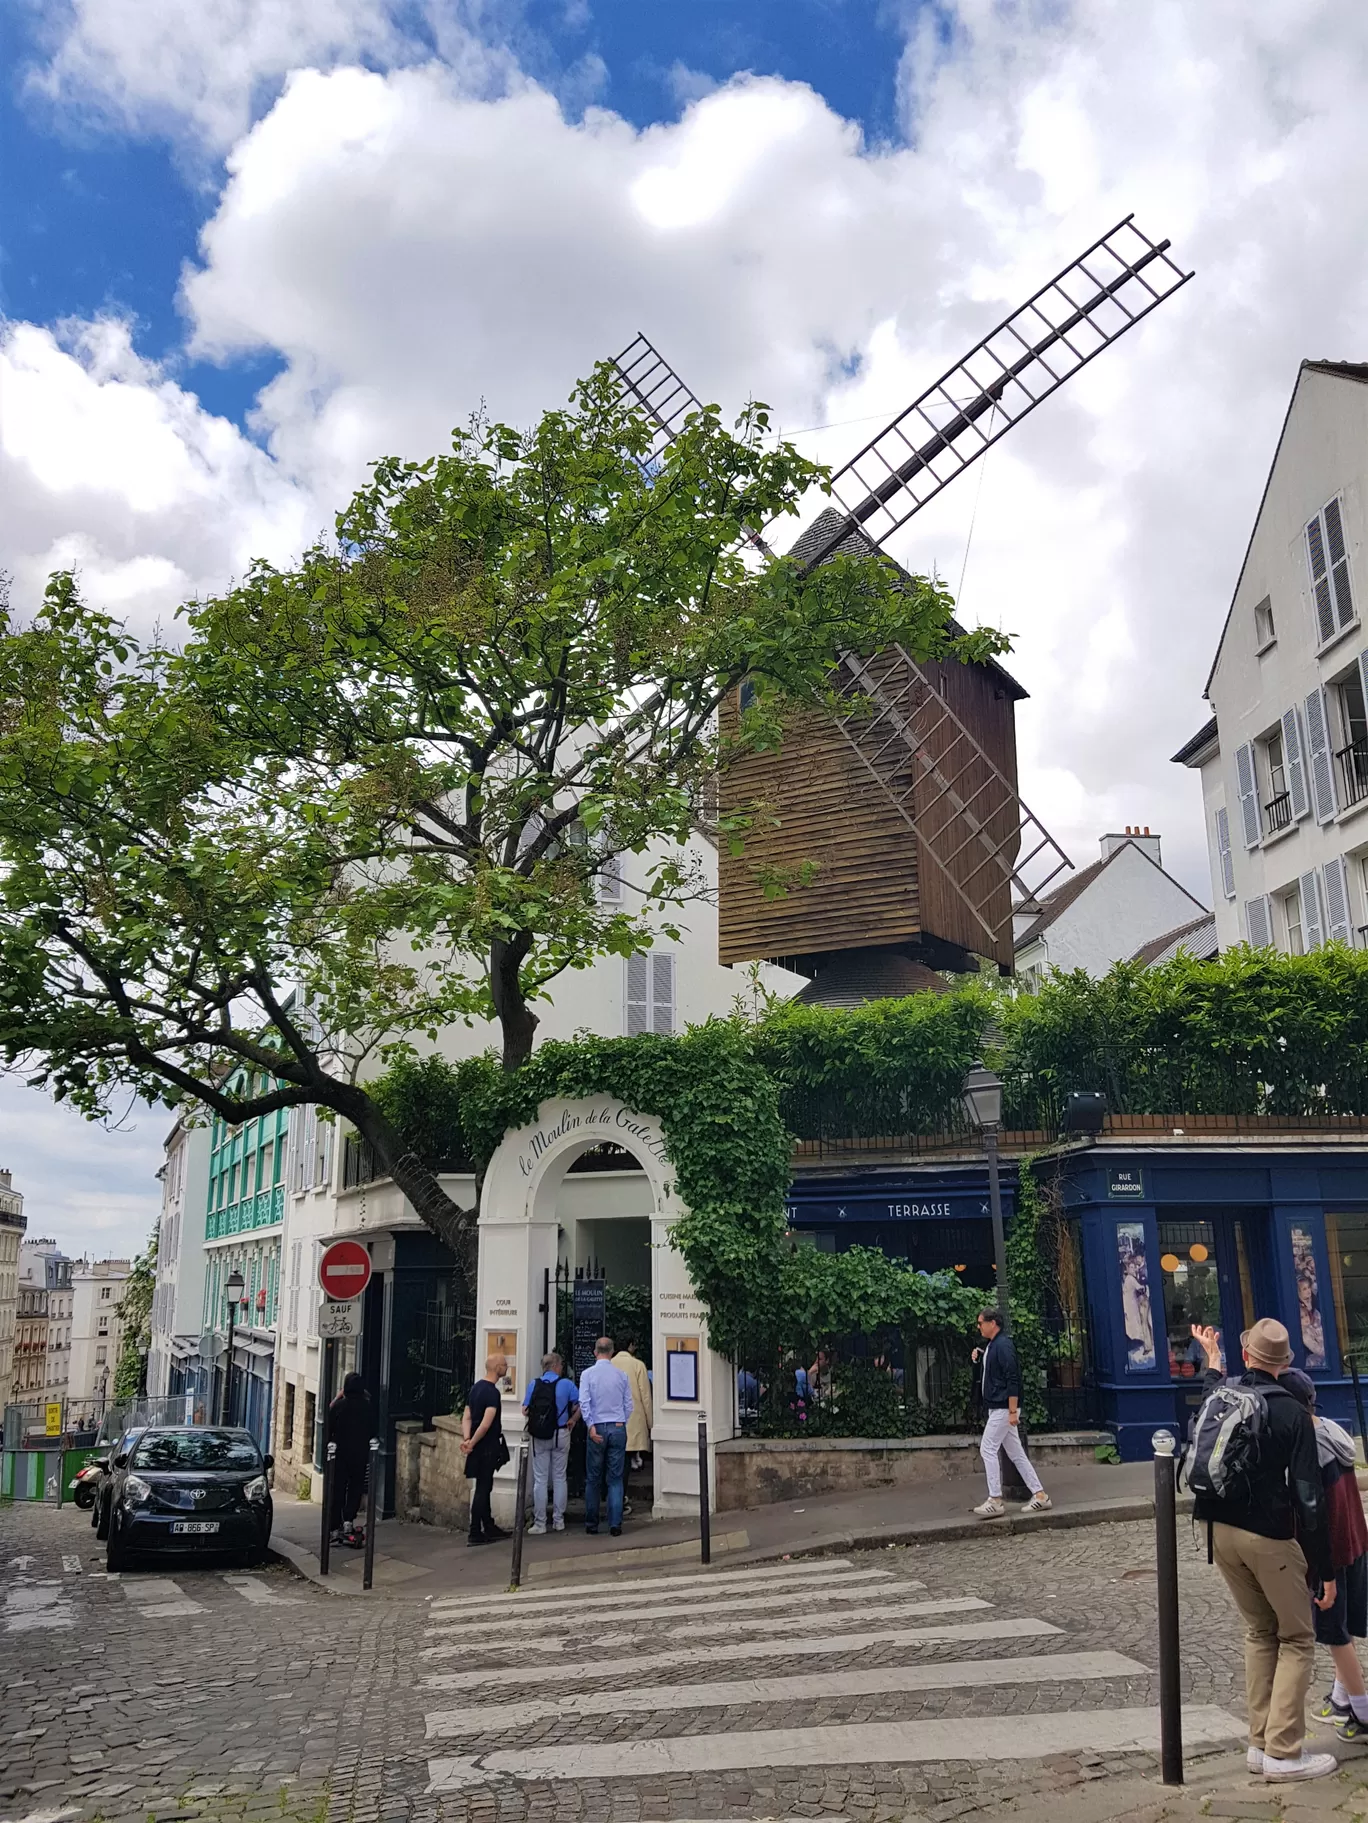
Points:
x=1198 y=1229
x=937 y=1220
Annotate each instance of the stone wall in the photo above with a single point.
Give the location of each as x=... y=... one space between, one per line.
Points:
x=429 y=1474
x=758 y=1471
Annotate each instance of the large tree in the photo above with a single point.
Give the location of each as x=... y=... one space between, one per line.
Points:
x=372 y=794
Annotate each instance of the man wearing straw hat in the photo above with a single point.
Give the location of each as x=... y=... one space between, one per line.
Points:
x=1254 y=1531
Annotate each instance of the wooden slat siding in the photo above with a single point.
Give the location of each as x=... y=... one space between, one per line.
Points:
x=987 y=711
x=832 y=813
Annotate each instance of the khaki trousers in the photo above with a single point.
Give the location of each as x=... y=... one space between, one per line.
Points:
x=1267 y=1577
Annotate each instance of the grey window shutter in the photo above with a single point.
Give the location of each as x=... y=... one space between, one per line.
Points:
x=1313 y=924
x=1246 y=780
x=638 y=996
x=1258 y=924
x=1320 y=581
x=1338 y=563
x=1318 y=746
x=610 y=880
x=1227 y=860
x=1296 y=771
x=1336 y=901
x=662 y=992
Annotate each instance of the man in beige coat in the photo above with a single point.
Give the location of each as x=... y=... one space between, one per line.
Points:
x=642 y=1418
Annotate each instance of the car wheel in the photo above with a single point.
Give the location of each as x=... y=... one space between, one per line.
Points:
x=102 y=1519
x=116 y=1558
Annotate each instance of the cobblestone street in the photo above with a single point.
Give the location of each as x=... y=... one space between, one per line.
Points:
x=937 y=1680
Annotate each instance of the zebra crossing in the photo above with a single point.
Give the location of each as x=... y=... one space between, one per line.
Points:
x=635 y=1681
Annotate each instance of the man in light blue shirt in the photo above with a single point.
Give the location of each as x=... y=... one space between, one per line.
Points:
x=551 y=1405
x=605 y=1396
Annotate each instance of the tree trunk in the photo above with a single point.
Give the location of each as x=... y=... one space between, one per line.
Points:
x=420 y=1184
x=517 y=1019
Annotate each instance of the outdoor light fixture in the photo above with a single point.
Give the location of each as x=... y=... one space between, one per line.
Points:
x=233 y=1290
x=982 y=1095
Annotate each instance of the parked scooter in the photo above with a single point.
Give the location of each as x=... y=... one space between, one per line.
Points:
x=84 y=1486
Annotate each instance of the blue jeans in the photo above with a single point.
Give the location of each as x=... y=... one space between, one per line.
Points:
x=613 y=1451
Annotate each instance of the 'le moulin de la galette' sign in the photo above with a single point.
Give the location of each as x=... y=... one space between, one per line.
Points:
x=598 y=1124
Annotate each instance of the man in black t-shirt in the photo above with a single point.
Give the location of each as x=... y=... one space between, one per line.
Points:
x=483 y=1446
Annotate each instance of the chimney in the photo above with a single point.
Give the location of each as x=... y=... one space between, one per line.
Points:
x=1141 y=838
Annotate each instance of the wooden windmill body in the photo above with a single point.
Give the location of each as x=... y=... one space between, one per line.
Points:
x=908 y=808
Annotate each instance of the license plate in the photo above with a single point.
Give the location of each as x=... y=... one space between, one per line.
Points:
x=194 y=1525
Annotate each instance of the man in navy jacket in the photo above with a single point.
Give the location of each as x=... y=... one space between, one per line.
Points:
x=1002 y=1396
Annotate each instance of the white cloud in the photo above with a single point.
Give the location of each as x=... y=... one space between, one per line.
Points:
x=92 y=1189
x=416 y=239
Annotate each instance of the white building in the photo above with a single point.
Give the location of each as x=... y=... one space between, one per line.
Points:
x=1119 y=908
x=331 y=1192
x=42 y=1338
x=1284 y=757
x=178 y=1299
x=96 y=1332
x=12 y=1227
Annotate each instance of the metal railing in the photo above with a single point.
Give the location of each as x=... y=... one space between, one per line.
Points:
x=1353 y=771
x=1278 y=813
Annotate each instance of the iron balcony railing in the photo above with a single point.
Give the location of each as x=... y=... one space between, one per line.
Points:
x=1353 y=771
x=1278 y=812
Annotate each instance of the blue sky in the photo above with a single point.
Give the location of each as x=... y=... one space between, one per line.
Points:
x=248 y=246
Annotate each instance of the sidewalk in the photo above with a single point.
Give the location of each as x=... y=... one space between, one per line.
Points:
x=420 y=1561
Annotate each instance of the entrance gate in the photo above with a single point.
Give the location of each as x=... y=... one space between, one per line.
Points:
x=519 y=1256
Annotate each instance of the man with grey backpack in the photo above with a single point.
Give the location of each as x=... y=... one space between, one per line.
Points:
x=1253 y=1467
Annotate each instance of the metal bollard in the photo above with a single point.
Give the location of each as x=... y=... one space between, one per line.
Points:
x=519 y=1517
x=368 y=1574
x=704 y=1519
x=1166 y=1563
x=325 y=1540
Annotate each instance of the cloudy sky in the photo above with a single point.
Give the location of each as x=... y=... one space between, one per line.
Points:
x=247 y=245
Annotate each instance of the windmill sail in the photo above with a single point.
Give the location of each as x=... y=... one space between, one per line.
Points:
x=989 y=853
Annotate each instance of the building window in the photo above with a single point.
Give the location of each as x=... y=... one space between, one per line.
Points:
x=104 y=1326
x=310 y=1408
x=1264 y=632
x=1277 y=806
x=650 y=993
x=1329 y=564
x=1292 y=917
x=101 y=1355
x=105 y=1292
x=287 y=1421
x=1351 y=758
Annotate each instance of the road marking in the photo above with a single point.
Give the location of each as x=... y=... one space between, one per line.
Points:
x=159 y=1598
x=37 y=1606
x=255 y=1590
x=696 y=1580
x=686 y=1603
x=973 y=1738
x=21 y=1563
x=976 y=1673
x=736 y=1650
x=507 y=1632
x=71 y=1565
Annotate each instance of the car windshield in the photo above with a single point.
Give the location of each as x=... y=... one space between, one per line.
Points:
x=201 y=1449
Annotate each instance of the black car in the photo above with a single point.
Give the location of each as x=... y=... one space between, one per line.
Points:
x=189 y=1488
x=120 y=1446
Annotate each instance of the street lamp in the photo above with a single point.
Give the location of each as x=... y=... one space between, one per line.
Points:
x=234 y=1289
x=982 y=1095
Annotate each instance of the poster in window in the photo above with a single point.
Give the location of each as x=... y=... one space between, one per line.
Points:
x=1308 y=1298
x=1136 y=1313
x=681 y=1368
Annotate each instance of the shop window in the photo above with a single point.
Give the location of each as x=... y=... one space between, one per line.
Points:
x=1192 y=1292
x=1346 y=1239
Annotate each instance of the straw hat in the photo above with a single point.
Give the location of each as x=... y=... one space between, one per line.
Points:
x=1266 y=1345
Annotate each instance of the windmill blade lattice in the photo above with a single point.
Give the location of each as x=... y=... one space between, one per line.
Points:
x=1107 y=290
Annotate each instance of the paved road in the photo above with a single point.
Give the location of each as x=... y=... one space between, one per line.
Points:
x=938 y=1680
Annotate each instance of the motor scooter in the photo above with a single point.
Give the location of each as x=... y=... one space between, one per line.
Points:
x=84 y=1486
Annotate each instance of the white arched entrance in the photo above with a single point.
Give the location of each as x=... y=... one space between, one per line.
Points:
x=518 y=1248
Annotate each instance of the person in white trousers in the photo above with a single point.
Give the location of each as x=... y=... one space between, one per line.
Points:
x=1002 y=1396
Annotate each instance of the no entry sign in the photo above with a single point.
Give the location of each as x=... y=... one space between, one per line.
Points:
x=344 y=1271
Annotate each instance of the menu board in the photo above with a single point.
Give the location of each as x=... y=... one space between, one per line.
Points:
x=590 y=1321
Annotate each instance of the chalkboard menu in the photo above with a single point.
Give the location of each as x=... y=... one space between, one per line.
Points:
x=591 y=1319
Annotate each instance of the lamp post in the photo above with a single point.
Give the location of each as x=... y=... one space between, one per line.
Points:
x=234 y=1289
x=982 y=1095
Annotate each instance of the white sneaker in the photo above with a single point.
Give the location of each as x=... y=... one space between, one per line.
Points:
x=557 y=1525
x=1305 y=1766
x=1038 y=1503
x=1254 y=1759
x=538 y=1531
x=992 y=1508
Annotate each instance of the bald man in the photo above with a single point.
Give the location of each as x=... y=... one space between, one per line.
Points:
x=482 y=1445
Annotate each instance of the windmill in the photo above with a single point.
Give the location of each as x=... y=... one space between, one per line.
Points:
x=925 y=848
